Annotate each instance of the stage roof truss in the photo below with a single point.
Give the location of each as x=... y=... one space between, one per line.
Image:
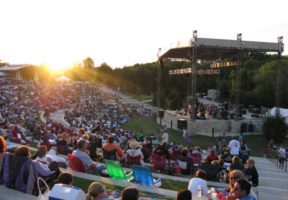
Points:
x=211 y=49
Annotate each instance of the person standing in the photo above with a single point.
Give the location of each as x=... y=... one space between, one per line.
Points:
x=234 y=145
x=282 y=156
x=165 y=137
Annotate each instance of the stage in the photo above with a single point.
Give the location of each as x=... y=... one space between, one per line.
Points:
x=205 y=127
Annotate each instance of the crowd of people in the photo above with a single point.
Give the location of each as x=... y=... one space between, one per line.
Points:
x=96 y=132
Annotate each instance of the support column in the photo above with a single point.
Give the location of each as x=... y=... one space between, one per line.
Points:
x=278 y=83
x=278 y=92
x=159 y=72
x=238 y=77
x=193 y=76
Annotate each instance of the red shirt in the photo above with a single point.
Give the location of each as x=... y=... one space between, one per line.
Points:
x=210 y=158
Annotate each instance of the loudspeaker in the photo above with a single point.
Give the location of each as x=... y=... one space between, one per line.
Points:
x=161 y=113
x=181 y=124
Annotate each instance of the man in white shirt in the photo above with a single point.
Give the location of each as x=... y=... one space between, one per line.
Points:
x=165 y=137
x=234 y=146
x=282 y=156
x=198 y=184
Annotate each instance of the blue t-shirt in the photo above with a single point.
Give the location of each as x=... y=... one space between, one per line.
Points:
x=248 y=197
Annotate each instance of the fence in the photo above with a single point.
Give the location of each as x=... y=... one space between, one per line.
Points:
x=274 y=157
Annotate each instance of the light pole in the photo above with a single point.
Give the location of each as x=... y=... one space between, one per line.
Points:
x=193 y=75
x=160 y=62
x=238 y=76
x=278 y=92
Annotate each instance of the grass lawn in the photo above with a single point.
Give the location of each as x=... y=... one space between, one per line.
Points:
x=255 y=142
x=167 y=184
x=141 y=97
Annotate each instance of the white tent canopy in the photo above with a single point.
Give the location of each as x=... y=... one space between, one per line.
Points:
x=63 y=78
x=283 y=112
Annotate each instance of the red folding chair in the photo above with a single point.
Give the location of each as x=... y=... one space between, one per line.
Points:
x=75 y=163
x=158 y=162
x=133 y=160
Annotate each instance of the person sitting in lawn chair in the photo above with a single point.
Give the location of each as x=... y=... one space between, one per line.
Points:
x=89 y=165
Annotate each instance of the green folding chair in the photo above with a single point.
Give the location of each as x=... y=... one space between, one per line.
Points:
x=116 y=171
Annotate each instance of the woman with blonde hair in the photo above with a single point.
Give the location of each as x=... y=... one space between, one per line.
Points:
x=234 y=176
x=96 y=191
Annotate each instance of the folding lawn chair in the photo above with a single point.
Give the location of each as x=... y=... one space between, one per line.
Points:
x=75 y=163
x=143 y=176
x=116 y=171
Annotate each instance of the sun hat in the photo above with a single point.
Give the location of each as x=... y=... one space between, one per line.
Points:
x=133 y=144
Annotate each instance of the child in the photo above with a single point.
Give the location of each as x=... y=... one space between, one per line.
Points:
x=252 y=173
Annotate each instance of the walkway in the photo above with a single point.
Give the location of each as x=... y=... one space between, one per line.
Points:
x=273 y=182
x=14 y=194
x=59 y=116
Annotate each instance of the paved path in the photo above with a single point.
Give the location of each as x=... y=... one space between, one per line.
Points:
x=59 y=116
x=129 y=100
x=9 y=194
x=42 y=118
x=273 y=182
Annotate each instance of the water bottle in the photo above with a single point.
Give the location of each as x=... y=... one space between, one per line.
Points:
x=199 y=191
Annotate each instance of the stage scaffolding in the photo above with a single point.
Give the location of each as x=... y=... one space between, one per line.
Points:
x=215 y=50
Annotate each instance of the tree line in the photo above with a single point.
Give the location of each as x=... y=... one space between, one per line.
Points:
x=258 y=79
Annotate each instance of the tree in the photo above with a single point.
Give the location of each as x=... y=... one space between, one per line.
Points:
x=88 y=63
x=105 y=68
x=275 y=128
x=3 y=63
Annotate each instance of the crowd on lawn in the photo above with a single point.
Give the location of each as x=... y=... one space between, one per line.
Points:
x=95 y=133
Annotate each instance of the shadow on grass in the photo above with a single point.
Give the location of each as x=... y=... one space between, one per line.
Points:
x=171 y=185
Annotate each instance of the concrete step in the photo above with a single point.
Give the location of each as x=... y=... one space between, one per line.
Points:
x=272 y=193
x=273 y=183
x=9 y=194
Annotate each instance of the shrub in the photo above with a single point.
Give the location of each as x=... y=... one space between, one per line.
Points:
x=275 y=128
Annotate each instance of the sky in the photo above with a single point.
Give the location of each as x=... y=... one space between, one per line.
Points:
x=62 y=33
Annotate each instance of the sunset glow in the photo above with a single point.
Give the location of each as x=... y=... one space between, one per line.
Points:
x=126 y=32
x=56 y=67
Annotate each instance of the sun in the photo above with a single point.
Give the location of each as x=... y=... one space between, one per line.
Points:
x=58 y=66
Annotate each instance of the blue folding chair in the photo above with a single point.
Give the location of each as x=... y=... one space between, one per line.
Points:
x=143 y=176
